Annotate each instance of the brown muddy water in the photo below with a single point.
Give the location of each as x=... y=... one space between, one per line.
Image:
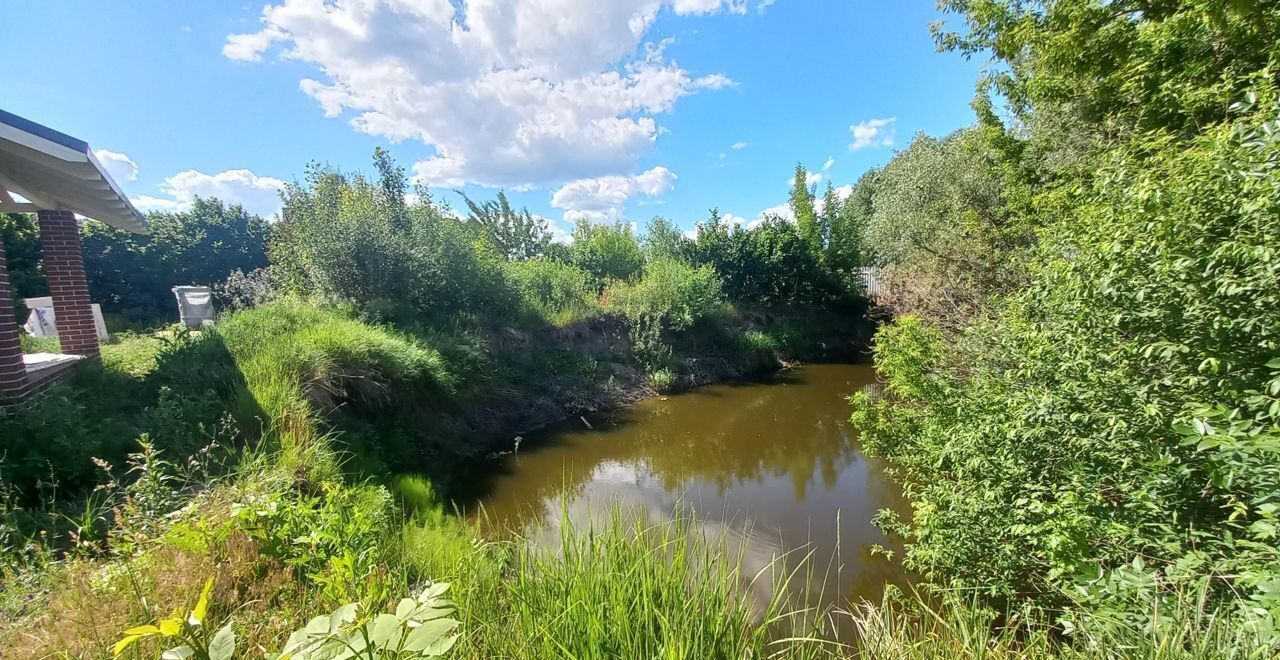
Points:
x=773 y=466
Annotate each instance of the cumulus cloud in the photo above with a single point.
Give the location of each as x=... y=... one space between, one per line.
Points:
x=257 y=194
x=872 y=133
x=120 y=167
x=601 y=199
x=831 y=160
x=507 y=92
x=738 y=145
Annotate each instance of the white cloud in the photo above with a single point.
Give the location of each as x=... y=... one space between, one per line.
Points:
x=119 y=166
x=738 y=145
x=872 y=133
x=257 y=194
x=149 y=203
x=831 y=160
x=601 y=199
x=508 y=92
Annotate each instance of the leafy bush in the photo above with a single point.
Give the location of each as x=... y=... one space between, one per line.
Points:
x=135 y=274
x=769 y=264
x=420 y=627
x=672 y=291
x=608 y=252
x=557 y=292
x=242 y=289
x=1122 y=406
x=939 y=219
x=664 y=380
x=355 y=241
x=515 y=234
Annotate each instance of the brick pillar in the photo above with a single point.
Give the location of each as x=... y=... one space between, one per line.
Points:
x=13 y=375
x=64 y=266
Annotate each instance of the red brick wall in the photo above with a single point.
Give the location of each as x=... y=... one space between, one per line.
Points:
x=64 y=266
x=13 y=376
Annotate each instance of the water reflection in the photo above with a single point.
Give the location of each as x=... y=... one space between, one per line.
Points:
x=772 y=468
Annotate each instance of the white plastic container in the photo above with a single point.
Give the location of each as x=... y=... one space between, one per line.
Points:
x=195 y=305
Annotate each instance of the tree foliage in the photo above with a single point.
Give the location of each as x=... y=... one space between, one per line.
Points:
x=1099 y=426
x=1124 y=64
x=134 y=274
x=847 y=247
x=341 y=237
x=802 y=205
x=672 y=292
x=515 y=234
x=608 y=252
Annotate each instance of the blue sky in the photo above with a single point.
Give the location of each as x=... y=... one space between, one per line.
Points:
x=578 y=108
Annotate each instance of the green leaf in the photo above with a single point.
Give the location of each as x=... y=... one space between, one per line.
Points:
x=171 y=627
x=223 y=645
x=178 y=653
x=126 y=642
x=429 y=634
x=384 y=630
x=202 y=605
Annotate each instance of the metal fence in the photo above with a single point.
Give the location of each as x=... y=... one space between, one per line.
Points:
x=870 y=278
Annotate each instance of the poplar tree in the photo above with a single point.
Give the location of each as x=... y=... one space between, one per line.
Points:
x=806 y=216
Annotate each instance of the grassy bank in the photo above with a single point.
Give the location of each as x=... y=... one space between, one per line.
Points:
x=281 y=507
x=255 y=453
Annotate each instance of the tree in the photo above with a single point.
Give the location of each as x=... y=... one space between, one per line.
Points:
x=801 y=202
x=21 y=235
x=516 y=234
x=939 y=221
x=395 y=186
x=662 y=238
x=336 y=240
x=1140 y=64
x=606 y=251
x=134 y=275
x=847 y=247
x=830 y=209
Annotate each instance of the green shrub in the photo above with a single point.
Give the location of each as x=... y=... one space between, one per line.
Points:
x=672 y=291
x=133 y=275
x=608 y=252
x=664 y=380
x=558 y=292
x=417 y=496
x=770 y=264
x=32 y=344
x=1115 y=426
x=355 y=241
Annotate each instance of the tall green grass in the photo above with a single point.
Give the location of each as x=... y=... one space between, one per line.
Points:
x=625 y=588
x=1188 y=627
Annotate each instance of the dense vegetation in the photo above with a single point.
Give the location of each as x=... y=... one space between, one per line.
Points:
x=370 y=331
x=1084 y=370
x=1082 y=387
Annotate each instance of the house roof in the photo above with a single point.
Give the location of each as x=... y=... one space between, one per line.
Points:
x=54 y=171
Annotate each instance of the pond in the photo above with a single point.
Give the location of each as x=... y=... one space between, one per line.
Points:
x=773 y=466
